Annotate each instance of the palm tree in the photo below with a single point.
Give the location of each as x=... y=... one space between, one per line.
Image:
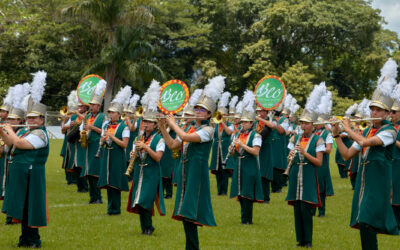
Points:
x=112 y=16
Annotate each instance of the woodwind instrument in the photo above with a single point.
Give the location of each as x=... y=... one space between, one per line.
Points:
x=231 y=148
x=291 y=159
x=134 y=157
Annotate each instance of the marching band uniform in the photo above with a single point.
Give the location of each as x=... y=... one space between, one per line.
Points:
x=5 y=108
x=168 y=161
x=303 y=182
x=222 y=133
x=91 y=166
x=113 y=161
x=371 y=210
x=147 y=188
x=396 y=163
x=25 y=199
x=246 y=179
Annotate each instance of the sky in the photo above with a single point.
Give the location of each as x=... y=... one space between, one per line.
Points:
x=390 y=10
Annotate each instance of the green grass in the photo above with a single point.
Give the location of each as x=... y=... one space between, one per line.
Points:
x=76 y=225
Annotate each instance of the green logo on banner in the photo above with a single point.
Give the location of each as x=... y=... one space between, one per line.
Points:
x=269 y=92
x=86 y=88
x=172 y=97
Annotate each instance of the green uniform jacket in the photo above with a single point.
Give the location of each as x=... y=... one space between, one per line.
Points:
x=70 y=157
x=167 y=162
x=324 y=175
x=246 y=179
x=303 y=180
x=3 y=174
x=266 y=156
x=279 y=147
x=219 y=147
x=92 y=164
x=231 y=163
x=371 y=198
x=178 y=160
x=147 y=182
x=20 y=164
x=132 y=137
x=113 y=165
x=396 y=172
x=193 y=198
x=338 y=157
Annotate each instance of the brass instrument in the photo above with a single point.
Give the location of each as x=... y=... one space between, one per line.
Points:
x=99 y=152
x=175 y=153
x=84 y=139
x=18 y=125
x=291 y=159
x=139 y=111
x=63 y=112
x=134 y=157
x=218 y=117
x=125 y=115
x=366 y=120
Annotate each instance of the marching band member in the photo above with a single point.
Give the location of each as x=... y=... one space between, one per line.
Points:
x=132 y=121
x=25 y=199
x=4 y=109
x=371 y=211
x=80 y=152
x=246 y=179
x=115 y=137
x=193 y=199
x=93 y=128
x=146 y=189
x=395 y=115
x=222 y=133
x=230 y=162
x=306 y=155
x=325 y=186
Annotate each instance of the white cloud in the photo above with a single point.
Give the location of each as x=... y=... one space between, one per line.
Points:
x=390 y=10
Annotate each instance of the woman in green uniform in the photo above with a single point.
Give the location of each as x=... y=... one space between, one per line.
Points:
x=147 y=183
x=307 y=153
x=246 y=179
x=25 y=199
x=193 y=199
x=395 y=115
x=115 y=137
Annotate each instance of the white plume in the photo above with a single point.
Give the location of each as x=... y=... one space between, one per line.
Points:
x=27 y=88
x=215 y=87
x=292 y=105
x=288 y=101
x=351 y=110
x=146 y=97
x=154 y=95
x=195 y=97
x=367 y=110
x=18 y=96
x=294 y=109
x=387 y=80
x=325 y=106
x=239 y=107
x=72 y=99
x=223 y=101
x=133 y=101
x=37 y=86
x=233 y=102
x=123 y=96
x=248 y=100
x=315 y=97
x=100 y=87
x=396 y=93
x=8 y=99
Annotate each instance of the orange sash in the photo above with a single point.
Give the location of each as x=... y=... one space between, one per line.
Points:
x=191 y=130
x=111 y=129
x=304 y=142
x=371 y=133
x=91 y=120
x=243 y=139
x=260 y=126
x=220 y=128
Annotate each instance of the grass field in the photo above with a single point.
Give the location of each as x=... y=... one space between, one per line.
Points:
x=76 y=225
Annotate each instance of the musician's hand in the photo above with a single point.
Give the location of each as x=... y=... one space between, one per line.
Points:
x=7 y=127
x=140 y=145
x=346 y=124
x=131 y=154
x=238 y=142
x=170 y=119
x=292 y=154
x=106 y=133
x=335 y=127
x=300 y=149
x=72 y=123
x=258 y=118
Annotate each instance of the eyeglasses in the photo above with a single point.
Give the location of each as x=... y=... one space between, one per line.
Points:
x=200 y=110
x=393 y=112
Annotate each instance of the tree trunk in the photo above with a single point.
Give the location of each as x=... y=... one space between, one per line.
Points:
x=110 y=79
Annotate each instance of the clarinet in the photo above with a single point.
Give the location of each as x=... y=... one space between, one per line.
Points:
x=291 y=159
x=231 y=148
x=99 y=153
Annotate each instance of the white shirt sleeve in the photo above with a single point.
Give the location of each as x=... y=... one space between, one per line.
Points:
x=320 y=148
x=179 y=139
x=205 y=135
x=160 y=145
x=103 y=127
x=290 y=145
x=386 y=137
x=257 y=141
x=285 y=125
x=329 y=139
x=68 y=122
x=231 y=127
x=81 y=127
x=126 y=133
x=356 y=146
x=36 y=141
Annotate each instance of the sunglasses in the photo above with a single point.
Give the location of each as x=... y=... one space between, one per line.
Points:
x=200 y=110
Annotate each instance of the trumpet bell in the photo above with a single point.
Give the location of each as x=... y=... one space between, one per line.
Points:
x=139 y=111
x=63 y=111
x=217 y=117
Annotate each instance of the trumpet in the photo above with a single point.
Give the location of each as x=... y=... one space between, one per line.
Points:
x=139 y=111
x=18 y=125
x=218 y=117
x=363 y=121
x=134 y=157
x=84 y=133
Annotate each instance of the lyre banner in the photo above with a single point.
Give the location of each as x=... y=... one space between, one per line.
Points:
x=269 y=92
x=86 y=87
x=173 y=97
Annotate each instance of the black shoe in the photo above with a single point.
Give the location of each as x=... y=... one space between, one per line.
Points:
x=22 y=244
x=167 y=196
x=321 y=215
x=35 y=246
x=266 y=201
x=98 y=202
x=91 y=202
x=149 y=231
x=112 y=214
x=308 y=245
x=300 y=244
x=9 y=223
